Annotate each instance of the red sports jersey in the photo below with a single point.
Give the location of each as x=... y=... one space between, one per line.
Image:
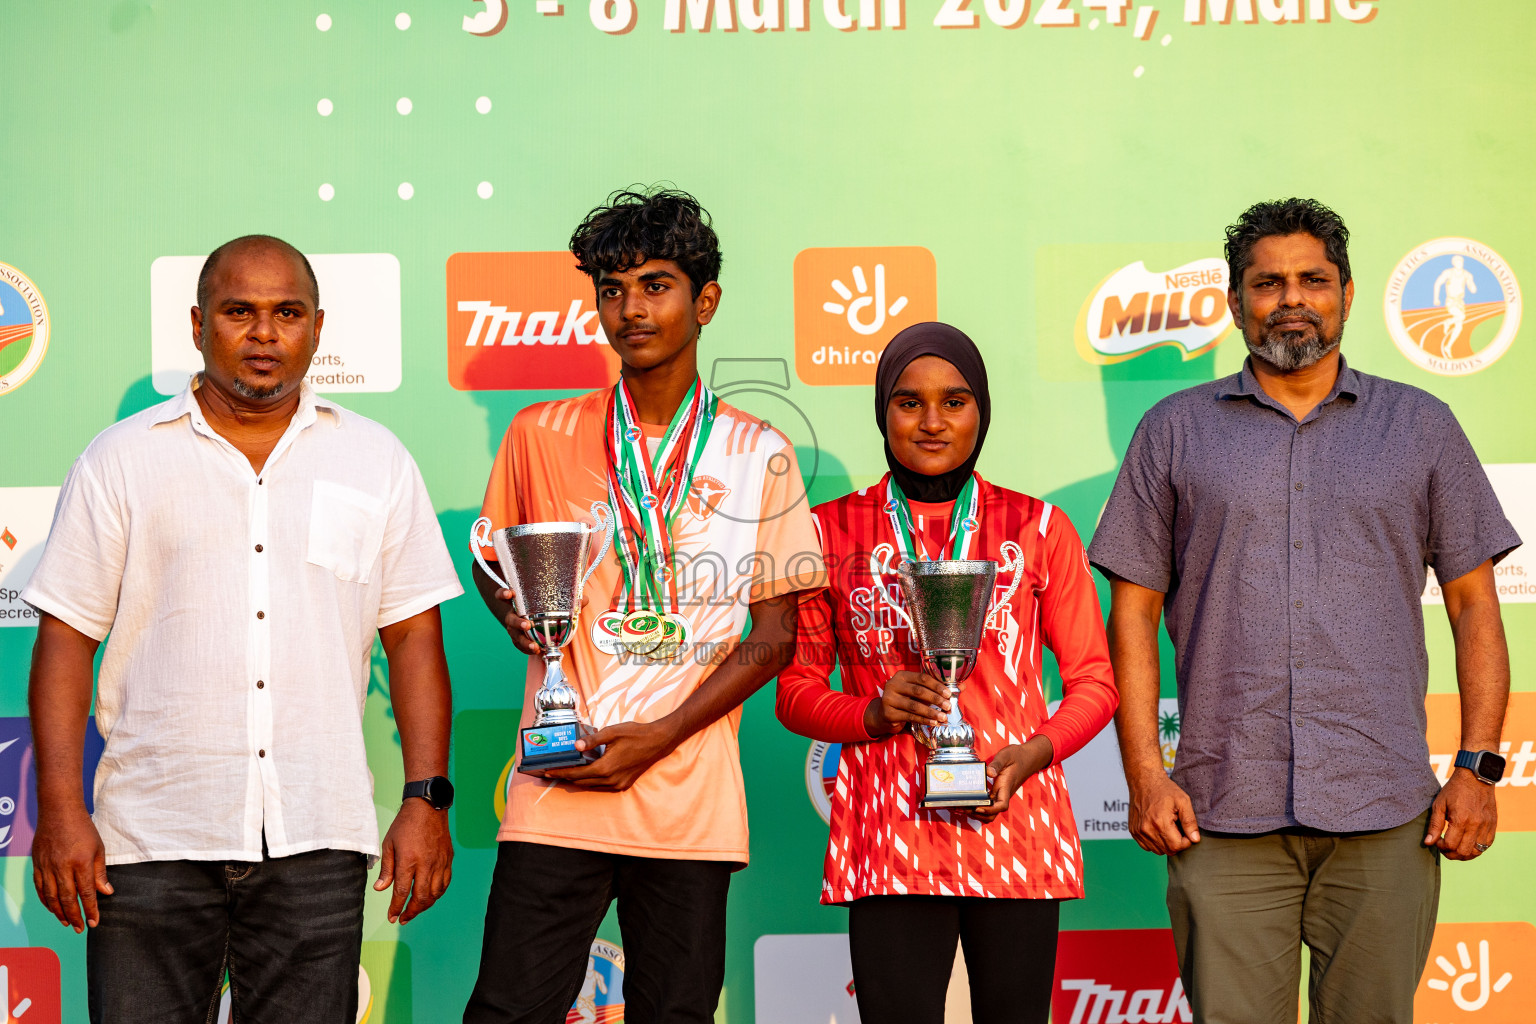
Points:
x=882 y=843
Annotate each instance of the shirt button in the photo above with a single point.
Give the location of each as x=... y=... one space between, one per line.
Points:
x=1298 y=663
x=1298 y=544
x=1300 y=723
x=260 y=685
x=1301 y=487
x=261 y=615
x=261 y=753
x=258 y=549
x=1298 y=604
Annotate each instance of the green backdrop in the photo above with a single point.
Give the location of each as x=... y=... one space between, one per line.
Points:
x=1030 y=162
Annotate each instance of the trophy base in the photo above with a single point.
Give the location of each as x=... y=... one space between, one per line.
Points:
x=955 y=785
x=541 y=747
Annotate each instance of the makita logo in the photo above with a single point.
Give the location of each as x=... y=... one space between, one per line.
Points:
x=1104 y=1004
x=524 y=320
x=493 y=325
x=1118 y=976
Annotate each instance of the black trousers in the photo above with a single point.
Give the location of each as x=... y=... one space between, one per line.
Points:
x=545 y=906
x=903 y=950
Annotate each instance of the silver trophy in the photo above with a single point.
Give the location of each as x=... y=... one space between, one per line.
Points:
x=949 y=604
x=543 y=563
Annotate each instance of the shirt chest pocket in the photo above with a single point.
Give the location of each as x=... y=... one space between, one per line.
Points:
x=346 y=530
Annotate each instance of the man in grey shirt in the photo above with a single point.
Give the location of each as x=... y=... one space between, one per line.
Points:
x=1281 y=519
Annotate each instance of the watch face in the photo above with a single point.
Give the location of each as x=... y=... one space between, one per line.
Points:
x=440 y=793
x=1490 y=766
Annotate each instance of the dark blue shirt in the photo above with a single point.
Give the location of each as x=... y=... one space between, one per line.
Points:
x=1293 y=559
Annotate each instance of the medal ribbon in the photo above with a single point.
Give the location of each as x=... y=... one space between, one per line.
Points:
x=649 y=492
x=964 y=521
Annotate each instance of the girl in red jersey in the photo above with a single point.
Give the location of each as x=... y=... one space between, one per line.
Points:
x=915 y=881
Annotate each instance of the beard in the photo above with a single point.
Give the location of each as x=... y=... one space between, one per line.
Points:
x=1288 y=350
x=258 y=392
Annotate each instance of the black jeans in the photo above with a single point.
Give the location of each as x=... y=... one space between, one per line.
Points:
x=903 y=948
x=545 y=906
x=288 y=929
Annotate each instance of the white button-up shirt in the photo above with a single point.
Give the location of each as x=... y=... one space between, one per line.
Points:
x=239 y=610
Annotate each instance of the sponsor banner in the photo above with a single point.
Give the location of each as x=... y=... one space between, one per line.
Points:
x=524 y=320
x=849 y=304
x=18 y=782
x=23 y=328
x=26 y=516
x=1515 y=485
x=484 y=758
x=1516 y=792
x=1452 y=306
x=1479 y=974
x=1130 y=312
x=29 y=984
x=1118 y=975
x=804 y=979
x=601 y=999
x=359 y=341
x=1096 y=780
x=1135 y=310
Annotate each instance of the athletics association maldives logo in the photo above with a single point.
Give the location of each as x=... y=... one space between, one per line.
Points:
x=601 y=999
x=1453 y=306
x=23 y=328
x=821 y=776
x=1135 y=310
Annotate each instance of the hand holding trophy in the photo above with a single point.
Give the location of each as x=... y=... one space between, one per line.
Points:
x=543 y=563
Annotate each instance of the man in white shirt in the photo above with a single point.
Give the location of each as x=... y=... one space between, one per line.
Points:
x=242 y=543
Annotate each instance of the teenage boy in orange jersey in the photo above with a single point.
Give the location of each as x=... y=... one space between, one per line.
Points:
x=712 y=523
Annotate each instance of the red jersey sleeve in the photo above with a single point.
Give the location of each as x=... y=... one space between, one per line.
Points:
x=806 y=702
x=1073 y=628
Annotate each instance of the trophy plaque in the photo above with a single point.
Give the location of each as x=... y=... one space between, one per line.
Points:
x=544 y=563
x=948 y=606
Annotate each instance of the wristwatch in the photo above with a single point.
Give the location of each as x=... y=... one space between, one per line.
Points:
x=436 y=791
x=1485 y=764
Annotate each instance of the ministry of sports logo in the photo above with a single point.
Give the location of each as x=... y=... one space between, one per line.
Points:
x=1453 y=306
x=23 y=328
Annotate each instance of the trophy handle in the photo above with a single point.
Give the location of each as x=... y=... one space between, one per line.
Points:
x=479 y=537
x=898 y=609
x=604 y=525
x=1015 y=567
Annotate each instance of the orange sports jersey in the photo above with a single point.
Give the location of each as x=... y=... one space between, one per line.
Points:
x=744 y=534
x=882 y=843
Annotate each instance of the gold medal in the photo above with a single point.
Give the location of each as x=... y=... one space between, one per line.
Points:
x=674 y=633
x=641 y=631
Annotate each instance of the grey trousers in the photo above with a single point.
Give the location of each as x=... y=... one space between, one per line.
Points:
x=1364 y=903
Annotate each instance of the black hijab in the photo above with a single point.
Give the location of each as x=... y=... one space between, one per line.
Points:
x=951 y=345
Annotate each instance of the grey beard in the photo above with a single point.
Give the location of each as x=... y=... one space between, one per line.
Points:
x=1283 y=351
x=252 y=391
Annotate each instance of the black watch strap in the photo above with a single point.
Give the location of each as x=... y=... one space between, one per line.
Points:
x=436 y=791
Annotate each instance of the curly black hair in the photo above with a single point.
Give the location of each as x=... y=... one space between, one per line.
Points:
x=1286 y=217
x=639 y=224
